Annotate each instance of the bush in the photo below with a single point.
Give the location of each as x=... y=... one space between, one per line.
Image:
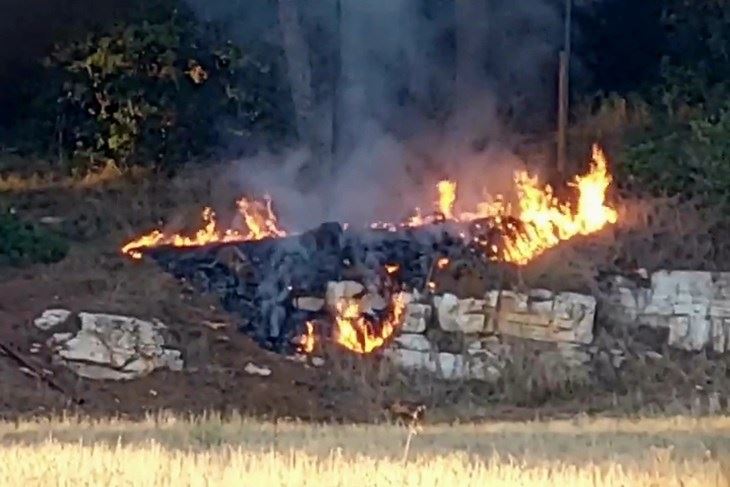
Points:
x=689 y=160
x=155 y=90
x=25 y=243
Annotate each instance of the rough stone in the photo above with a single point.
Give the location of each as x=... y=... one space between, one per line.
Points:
x=694 y=306
x=416 y=318
x=51 y=318
x=460 y=315
x=308 y=303
x=445 y=366
x=373 y=302
x=115 y=347
x=338 y=290
x=568 y=317
x=414 y=341
x=253 y=369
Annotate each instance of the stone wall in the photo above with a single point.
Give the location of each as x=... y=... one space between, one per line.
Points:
x=692 y=307
x=471 y=338
x=466 y=338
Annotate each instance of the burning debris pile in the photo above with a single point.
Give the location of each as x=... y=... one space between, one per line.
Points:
x=288 y=288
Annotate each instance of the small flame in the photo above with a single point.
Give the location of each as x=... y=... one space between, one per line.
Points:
x=258 y=217
x=306 y=341
x=353 y=331
x=447 y=198
x=391 y=268
x=442 y=263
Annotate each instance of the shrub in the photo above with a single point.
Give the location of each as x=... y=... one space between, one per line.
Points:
x=25 y=243
x=690 y=160
x=154 y=90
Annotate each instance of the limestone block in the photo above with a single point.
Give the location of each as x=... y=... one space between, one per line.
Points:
x=338 y=290
x=51 y=318
x=460 y=315
x=413 y=341
x=569 y=317
x=445 y=366
x=691 y=304
x=417 y=317
x=309 y=303
x=115 y=347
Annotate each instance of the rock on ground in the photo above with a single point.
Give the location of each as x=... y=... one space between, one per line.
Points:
x=115 y=347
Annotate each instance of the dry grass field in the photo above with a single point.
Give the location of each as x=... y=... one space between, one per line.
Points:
x=167 y=451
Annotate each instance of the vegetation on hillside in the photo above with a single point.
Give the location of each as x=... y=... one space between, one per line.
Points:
x=158 y=90
x=161 y=87
x=25 y=243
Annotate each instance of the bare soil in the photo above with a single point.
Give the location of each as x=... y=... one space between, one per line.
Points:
x=94 y=277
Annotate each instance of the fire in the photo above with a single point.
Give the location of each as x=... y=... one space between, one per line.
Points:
x=535 y=222
x=306 y=341
x=442 y=263
x=259 y=218
x=353 y=331
x=447 y=198
x=545 y=220
x=391 y=268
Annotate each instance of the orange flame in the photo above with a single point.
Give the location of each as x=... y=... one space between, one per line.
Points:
x=546 y=221
x=258 y=216
x=306 y=341
x=442 y=263
x=391 y=268
x=447 y=198
x=353 y=332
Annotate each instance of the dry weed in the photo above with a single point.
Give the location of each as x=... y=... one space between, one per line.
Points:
x=208 y=451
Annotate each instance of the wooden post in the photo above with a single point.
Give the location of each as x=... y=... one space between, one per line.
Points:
x=562 y=113
x=564 y=93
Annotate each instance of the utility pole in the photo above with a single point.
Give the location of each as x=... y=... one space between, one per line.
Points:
x=564 y=92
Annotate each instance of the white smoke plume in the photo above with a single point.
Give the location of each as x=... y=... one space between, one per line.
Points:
x=398 y=126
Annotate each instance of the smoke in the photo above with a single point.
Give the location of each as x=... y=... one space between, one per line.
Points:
x=423 y=91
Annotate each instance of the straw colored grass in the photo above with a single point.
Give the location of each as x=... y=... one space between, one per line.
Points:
x=168 y=451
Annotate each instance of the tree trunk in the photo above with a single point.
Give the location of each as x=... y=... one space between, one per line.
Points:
x=298 y=65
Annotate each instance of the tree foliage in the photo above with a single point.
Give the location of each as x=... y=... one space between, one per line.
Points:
x=687 y=150
x=157 y=90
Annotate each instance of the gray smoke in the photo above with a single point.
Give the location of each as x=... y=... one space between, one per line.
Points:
x=401 y=124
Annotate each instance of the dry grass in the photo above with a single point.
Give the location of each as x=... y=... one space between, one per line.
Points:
x=209 y=451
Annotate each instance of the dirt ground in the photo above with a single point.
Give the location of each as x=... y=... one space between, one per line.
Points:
x=94 y=277
x=213 y=379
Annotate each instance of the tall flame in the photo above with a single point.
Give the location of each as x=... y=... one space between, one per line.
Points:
x=353 y=332
x=260 y=220
x=545 y=220
x=447 y=198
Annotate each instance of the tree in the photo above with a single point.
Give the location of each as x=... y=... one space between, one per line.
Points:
x=312 y=130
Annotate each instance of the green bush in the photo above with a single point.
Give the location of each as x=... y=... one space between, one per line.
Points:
x=156 y=90
x=692 y=159
x=25 y=243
